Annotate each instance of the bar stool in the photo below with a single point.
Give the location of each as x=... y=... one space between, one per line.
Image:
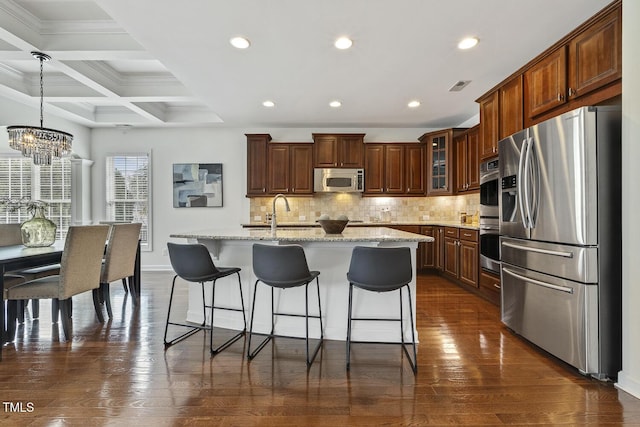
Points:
x=193 y=263
x=381 y=270
x=284 y=267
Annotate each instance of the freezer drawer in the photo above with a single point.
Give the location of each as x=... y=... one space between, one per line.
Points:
x=560 y=316
x=577 y=263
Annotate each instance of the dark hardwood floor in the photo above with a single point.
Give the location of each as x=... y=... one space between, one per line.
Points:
x=472 y=371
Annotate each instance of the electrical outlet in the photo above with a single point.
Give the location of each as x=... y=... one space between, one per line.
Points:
x=302 y=218
x=165 y=252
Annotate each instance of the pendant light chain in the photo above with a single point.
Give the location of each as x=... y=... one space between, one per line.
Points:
x=41 y=93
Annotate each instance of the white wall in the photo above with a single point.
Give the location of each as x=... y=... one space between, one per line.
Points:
x=629 y=377
x=204 y=145
x=15 y=113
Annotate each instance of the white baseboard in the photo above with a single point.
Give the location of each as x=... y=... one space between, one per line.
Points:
x=628 y=384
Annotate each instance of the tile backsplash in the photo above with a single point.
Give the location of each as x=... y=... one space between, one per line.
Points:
x=368 y=209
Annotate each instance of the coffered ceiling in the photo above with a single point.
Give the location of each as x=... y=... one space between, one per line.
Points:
x=151 y=63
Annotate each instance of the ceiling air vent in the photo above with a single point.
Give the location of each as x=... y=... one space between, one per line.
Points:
x=459 y=85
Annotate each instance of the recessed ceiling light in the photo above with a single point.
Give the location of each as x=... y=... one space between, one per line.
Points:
x=468 y=43
x=269 y=104
x=335 y=104
x=240 y=42
x=343 y=43
x=413 y=104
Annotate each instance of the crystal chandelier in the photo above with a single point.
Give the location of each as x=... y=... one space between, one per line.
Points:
x=40 y=143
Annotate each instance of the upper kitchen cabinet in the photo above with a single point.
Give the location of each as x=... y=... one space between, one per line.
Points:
x=510 y=108
x=414 y=169
x=440 y=161
x=489 y=111
x=257 y=164
x=467 y=164
x=289 y=168
x=278 y=168
x=338 y=150
x=595 y=56
x=545 y=83
x=589 y=59
x=394 y=169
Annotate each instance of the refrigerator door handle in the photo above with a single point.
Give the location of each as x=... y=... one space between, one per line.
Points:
x=527 y=183
x=538 y=250
x=537 y=282
x=519 y=181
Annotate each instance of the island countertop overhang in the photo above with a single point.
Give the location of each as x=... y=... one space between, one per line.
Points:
x=355 y=234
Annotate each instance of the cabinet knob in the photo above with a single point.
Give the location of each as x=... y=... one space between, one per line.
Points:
x=571 y=92
x=560 y=97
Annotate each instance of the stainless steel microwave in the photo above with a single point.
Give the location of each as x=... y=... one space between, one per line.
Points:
x=332 y=180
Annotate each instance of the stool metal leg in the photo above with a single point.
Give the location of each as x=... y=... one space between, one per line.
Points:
x=306 y=298
x=237 y=336
x=413 y=362
x=251 y=355
x=192 y=328
x=349 y=327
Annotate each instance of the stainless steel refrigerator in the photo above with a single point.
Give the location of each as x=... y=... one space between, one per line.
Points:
x=560 y=237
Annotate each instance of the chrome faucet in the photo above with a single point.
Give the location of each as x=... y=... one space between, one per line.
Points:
x=274 y=223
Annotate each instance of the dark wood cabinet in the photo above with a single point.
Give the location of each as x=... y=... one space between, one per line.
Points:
x=440 y=161
x=438 y=247
x=394 y=169
x=338 y=150
x=257 y=164
x=510 y=108
x=490 y=286
x=469 y=257
x=414 y=166
x=595 y=56
x=587 y=61
x=274 y=168
x=301 y=168
x=467 y=163
x=290 y=168
x=427 y=257
x=489 y=122
x=278 y=168
x=545 y=83
x=461 y=253
x=374 y=179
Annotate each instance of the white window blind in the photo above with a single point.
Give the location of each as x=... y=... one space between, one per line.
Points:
x=15 y=183
x=128 y=177
x=52 y=184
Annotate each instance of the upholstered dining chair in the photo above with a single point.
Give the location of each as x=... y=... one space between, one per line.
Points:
x=379 y=269
x=79 y=272
x=10 y=235
x=119 y=261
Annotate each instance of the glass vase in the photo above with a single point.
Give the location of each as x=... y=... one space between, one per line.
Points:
x=38 y=231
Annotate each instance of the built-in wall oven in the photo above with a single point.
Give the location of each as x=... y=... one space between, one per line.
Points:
x=489 y=216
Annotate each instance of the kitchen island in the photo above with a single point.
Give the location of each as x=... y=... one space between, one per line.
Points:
x=328 y=253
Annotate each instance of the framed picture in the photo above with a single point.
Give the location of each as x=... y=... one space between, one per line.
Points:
x=197 y=185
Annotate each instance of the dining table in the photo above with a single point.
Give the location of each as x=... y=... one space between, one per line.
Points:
x=20 y=257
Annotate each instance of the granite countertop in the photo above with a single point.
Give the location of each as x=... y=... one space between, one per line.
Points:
x=470 y=226
x=308 y=234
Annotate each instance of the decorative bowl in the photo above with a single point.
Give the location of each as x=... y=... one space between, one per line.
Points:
x=333 y=226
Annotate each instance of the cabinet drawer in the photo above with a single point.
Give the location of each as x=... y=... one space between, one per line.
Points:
x=490 y=282
x=451 y=232
x=470 y=235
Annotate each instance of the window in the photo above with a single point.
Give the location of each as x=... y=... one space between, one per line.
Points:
x=19 y=178
x=128 y=191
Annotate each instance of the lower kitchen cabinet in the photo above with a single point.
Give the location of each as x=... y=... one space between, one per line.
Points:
x=461 y=262
x=490 y=286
